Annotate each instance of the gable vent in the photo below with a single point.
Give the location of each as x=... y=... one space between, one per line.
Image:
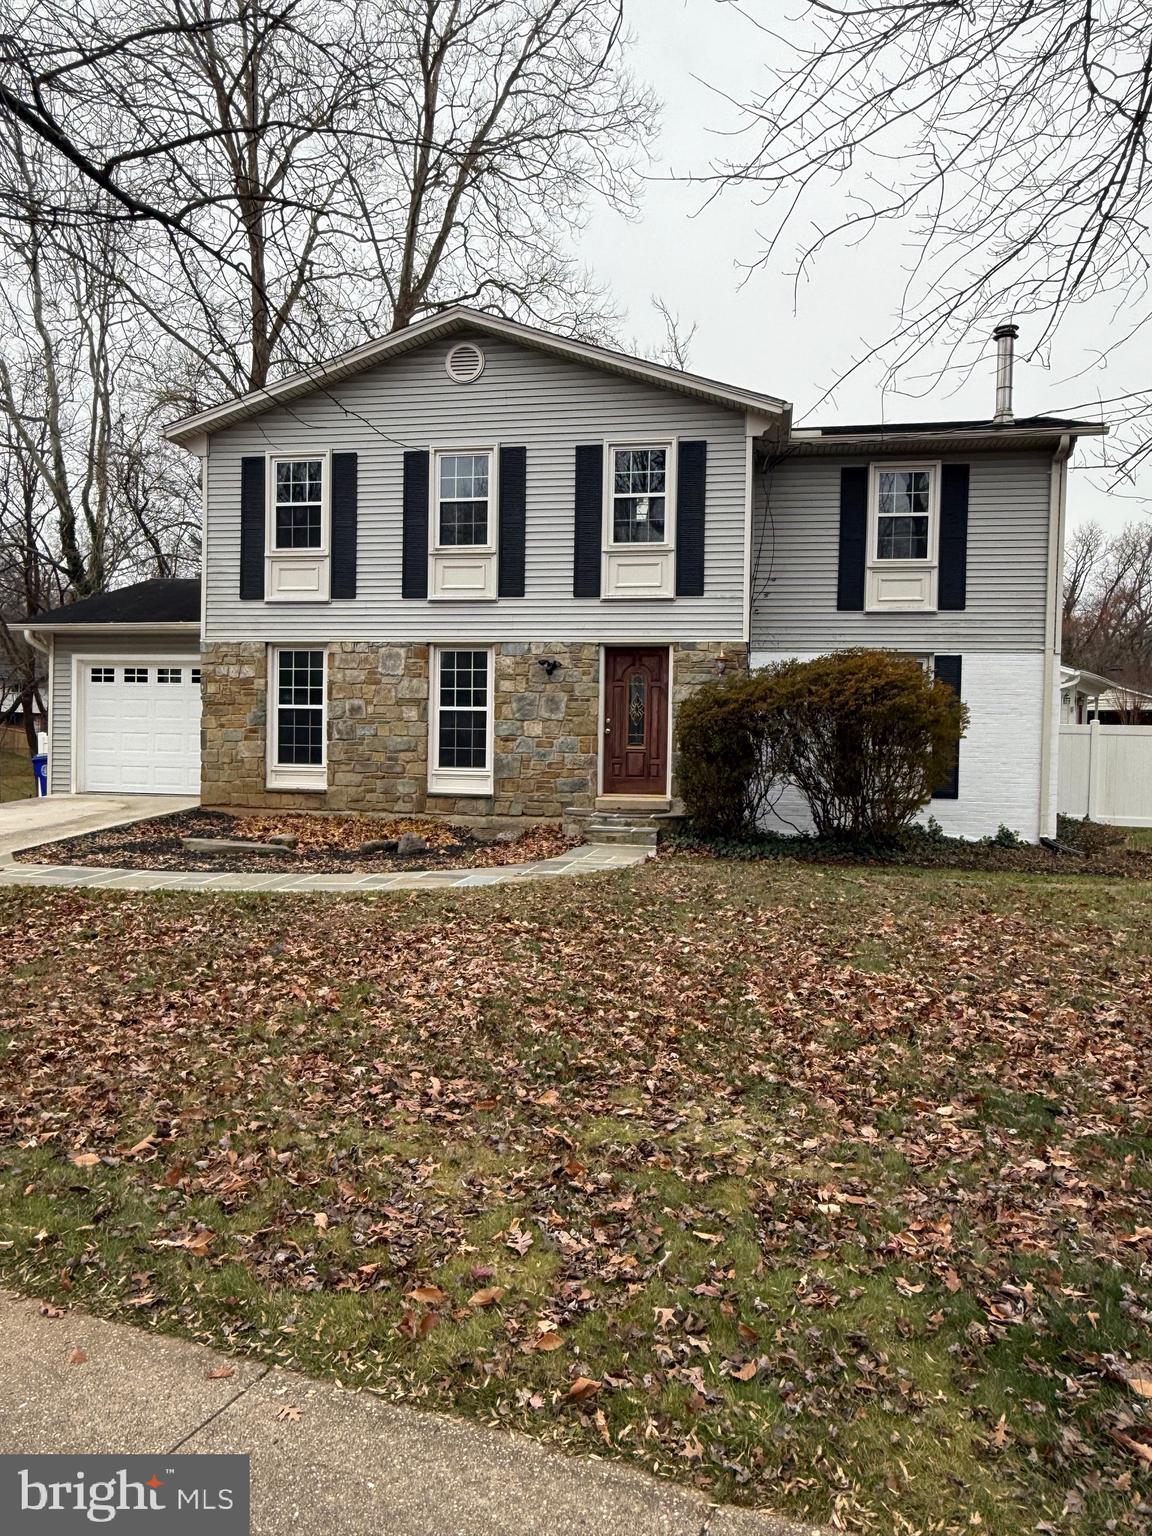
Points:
x=465 y=362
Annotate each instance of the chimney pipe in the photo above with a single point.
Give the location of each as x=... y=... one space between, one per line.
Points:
x=1004 y=336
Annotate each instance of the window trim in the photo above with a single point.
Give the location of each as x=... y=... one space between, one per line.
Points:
x=297 y=776
x=930 y=565
x=435 y=547
x=460 y=781
x=611 y=449
x=319 y=551
x=876 y=469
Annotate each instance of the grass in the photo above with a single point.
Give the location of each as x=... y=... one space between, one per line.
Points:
x=830 y=1185
x=16 y=778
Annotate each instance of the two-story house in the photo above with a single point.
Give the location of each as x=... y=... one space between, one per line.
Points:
x=471 y=568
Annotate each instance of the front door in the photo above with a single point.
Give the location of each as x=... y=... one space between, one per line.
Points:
x=636 y=720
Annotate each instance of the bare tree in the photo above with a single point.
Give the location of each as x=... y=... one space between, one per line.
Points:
x=1007 y=140
x=1108 y=605
x=309 y=171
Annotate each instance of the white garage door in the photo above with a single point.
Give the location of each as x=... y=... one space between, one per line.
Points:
x=141 y=727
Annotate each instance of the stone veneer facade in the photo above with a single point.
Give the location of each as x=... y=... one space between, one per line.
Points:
x=546 y=728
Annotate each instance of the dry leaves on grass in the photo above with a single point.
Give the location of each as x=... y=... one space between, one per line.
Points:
x=738 y=1153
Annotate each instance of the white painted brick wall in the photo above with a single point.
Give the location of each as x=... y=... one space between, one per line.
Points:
x=999 y=756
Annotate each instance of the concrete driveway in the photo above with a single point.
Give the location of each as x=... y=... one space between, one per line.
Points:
x=24 y=823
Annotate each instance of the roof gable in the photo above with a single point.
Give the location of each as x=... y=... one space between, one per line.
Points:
x=450 y=322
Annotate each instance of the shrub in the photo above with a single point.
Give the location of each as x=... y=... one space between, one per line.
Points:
x=724 y=765
x=865 y=736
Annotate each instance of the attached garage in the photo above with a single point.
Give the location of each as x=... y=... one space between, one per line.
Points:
x=138 y=725
x=124 y=691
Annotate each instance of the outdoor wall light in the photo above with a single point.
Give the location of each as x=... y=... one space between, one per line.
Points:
x=549 y=663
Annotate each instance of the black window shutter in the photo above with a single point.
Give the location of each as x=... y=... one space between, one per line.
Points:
x=953 y=587
x=252 y=514
x=414 y=560
x=691 y=484
x=589 y=520
x=343 y=500
x=949 y=669
x=853 y=538
x=513 y=511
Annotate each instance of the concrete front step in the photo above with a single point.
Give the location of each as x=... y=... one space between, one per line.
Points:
x=621 y=832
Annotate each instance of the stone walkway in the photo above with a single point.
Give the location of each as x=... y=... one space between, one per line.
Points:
x=590 y=858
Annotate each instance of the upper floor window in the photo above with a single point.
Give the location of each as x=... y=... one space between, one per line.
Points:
x=462 y=511
x=298 y=504
x=903 y=538
x=904 y=513
x=639 y=495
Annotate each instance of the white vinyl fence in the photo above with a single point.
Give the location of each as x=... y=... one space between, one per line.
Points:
x=1106 y=773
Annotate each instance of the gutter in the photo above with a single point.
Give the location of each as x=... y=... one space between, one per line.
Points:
x=1057 y=501
x=112 y=626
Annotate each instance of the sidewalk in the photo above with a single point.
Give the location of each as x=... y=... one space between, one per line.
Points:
x=340 y=1463
x=587 y=859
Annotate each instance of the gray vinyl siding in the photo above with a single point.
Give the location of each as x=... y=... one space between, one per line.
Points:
x=97 y=646
x=795 y=551
x=523 y=397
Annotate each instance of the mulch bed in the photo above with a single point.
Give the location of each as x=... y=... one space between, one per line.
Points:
x=325 y=845
x=1099 y=851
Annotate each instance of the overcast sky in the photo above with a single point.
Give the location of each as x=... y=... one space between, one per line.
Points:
x=754 y=329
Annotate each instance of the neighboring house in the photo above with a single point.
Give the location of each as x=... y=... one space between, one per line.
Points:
x=472 y=568
x=1086 y=696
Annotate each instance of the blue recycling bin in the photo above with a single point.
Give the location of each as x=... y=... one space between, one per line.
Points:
x=40 y=769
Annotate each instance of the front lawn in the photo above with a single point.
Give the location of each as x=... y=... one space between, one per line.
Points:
x=824 y=1188
x=17 y=780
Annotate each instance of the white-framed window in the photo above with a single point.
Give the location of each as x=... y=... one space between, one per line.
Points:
x=460 y=721
x=463 y=507
x=639 y=557
x=299 y=504
x=102 y=674
x=169 y=674
x=297 y=718
x=194 y=677
x=639 y=506
x=135 y=674
x=903 y=536
x=297 y=563
x=463 y=524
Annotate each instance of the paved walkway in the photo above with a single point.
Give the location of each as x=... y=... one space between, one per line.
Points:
x=339 y=1463
x=590 y=858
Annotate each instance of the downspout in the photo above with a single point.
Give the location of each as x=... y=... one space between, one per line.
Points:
x=49 y=651
x=1057 y=505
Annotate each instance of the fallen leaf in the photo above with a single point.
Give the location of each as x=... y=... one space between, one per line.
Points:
x=48 y=1310
x=548 y=1342
x=220 y=1373
x=428 y=1295
x=78 y=1357
x=1141 y=1447
x=86 y=1160
x=288 y=1413
x=320 y=1221
x=745 y=1372
x=582 y=1389
x=487 y=1297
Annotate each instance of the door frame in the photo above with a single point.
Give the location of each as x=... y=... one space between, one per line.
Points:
x=639 y=645
x=80 y=661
